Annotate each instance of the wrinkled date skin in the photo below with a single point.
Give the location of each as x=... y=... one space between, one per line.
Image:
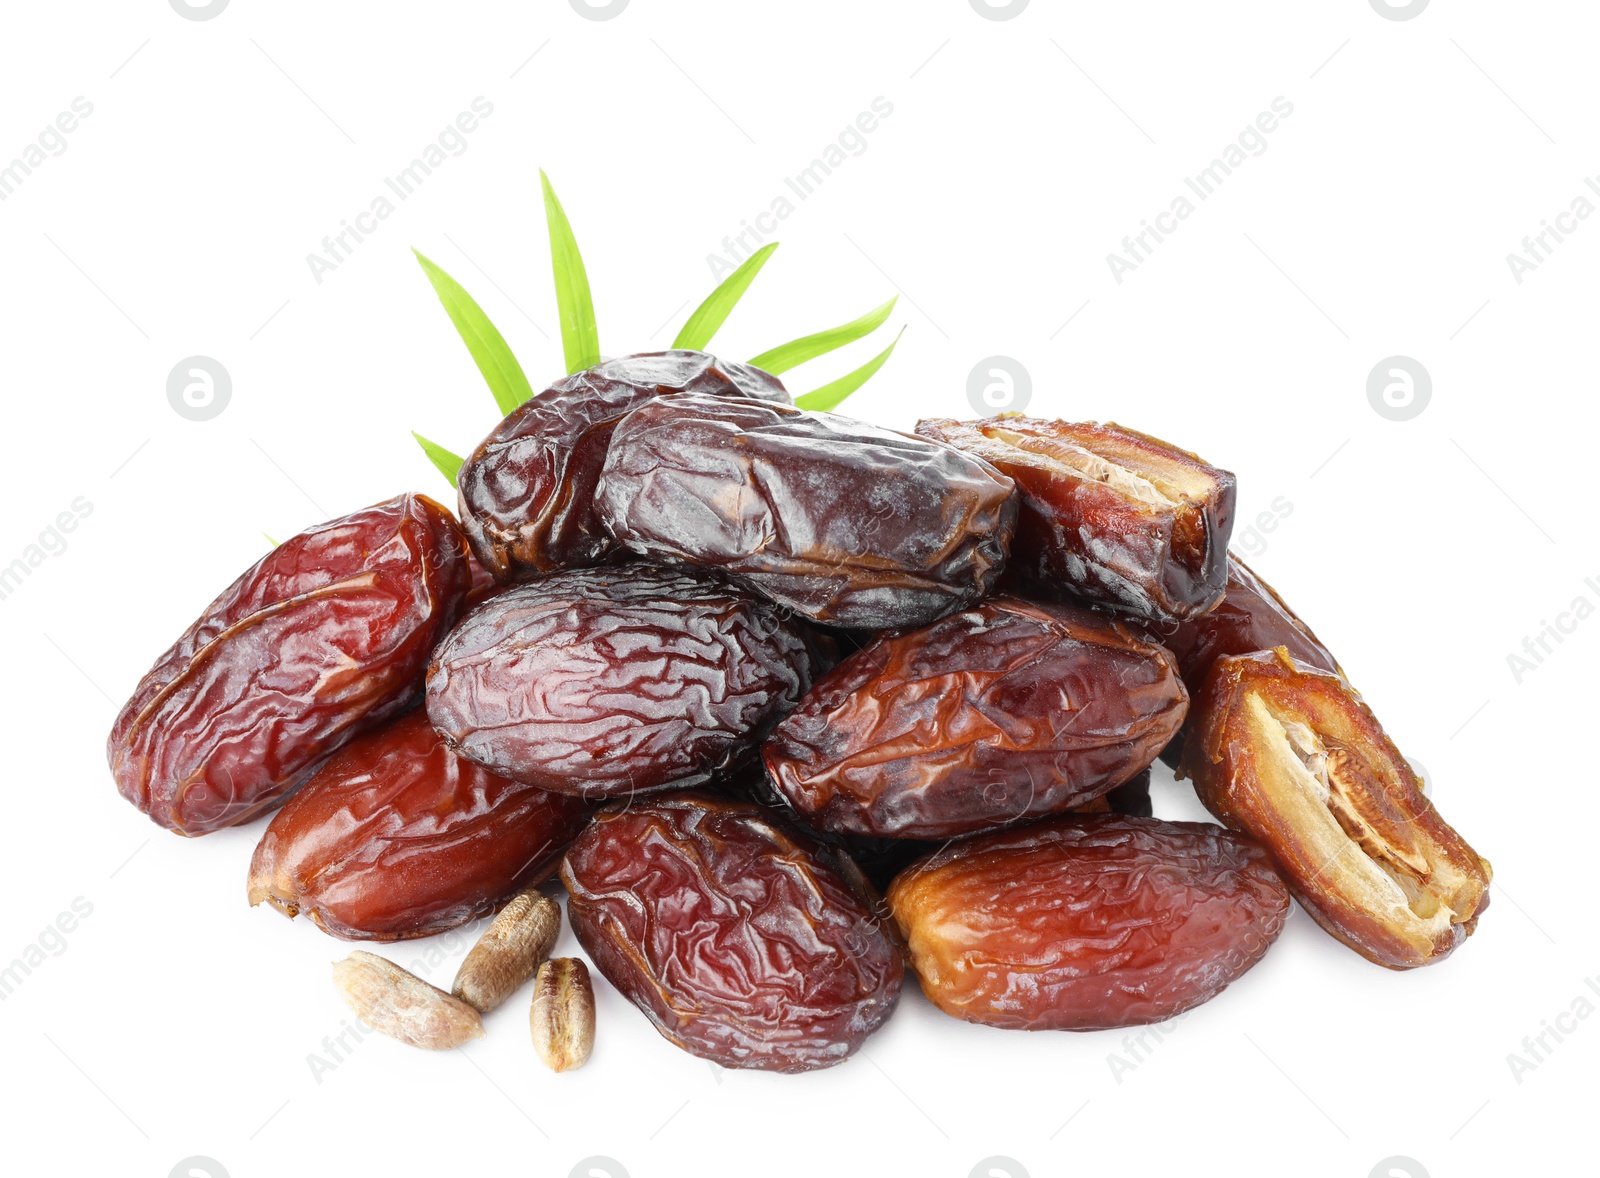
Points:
x=610 y=681
x=327 y=633
x=736 y=935
x=1292 y=755
x=527 y=491
x=1108 y=515
x=397 y=837
x=1008 y=710
x=1084 y=924
x=842 y=522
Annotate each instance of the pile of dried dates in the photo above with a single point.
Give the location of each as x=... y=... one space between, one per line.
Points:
x=791 y=704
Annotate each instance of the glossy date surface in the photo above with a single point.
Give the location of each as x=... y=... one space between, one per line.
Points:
x=1109 y=515
x=1293 y=756
x=328 y=632
x=845 y=523
x=736 y=935
x=527 y=491
x=609 y=681
x=1008 y=710
x=1088 y=923
x=395 y=836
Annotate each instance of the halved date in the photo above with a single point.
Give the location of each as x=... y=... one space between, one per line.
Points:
x=1005 y=711
x=1108 y=514
x=842 y=522
x=395 y=836
x=327 y=633
x=736 y=935
x=527 y=491
x=610 y=681
x=1088 y=923
x=1292 y=755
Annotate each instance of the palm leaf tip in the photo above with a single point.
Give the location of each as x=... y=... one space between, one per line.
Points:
x=580 y=337
x=832 y=394
x=448 y=464
x=488 y=347
x=809 y=347
x=713 y=312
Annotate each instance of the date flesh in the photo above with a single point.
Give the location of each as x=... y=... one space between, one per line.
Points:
x=1008 y=710
x=396 y=837
x=1292 y=755
x=325 y=635
x=1108 y=515
x=527 y=491
x=842 y=522
x=736 y=935
x=1088 y=923
x=609 y=681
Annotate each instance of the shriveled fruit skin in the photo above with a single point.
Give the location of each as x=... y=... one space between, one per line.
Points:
x=327 y=634
x=845 y=523
x=1292 y=755
x=527 y=491
x=1152 y=547
x=1087 y=923
x=735 y=934
x=611 y=681
x=396 y=836
x=1008 y=710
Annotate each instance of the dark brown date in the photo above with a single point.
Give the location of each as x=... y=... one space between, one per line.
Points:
x=328 y=632
x=1008 y=710
x=527 y=491
x=396 y=837
x=1292 y=755
x=610 y=681
x=840 y=521
x=737 y=936
x=1250 y=617
x=1084 y=924
x=1108 y=515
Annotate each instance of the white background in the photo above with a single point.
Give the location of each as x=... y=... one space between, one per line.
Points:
x=176 y=1021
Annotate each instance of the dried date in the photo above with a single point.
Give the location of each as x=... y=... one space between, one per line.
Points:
x=396 y=836
x=1088 y=923
x=1292 y=755
x=736 y=935
x=609 y=681
x=326 y=634
x=527 y=491
x=842 y=522
x=1005 y=711
x=1108 y=515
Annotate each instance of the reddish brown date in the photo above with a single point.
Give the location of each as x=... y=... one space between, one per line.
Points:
x=1108 y=515
x=736 y=935
x=1292 y=755
x=527 y=491
x=328 y=632
x=397 y=837
x=1008 y=710
x=1084 y=924
x=610 y=681
x=840 y=521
